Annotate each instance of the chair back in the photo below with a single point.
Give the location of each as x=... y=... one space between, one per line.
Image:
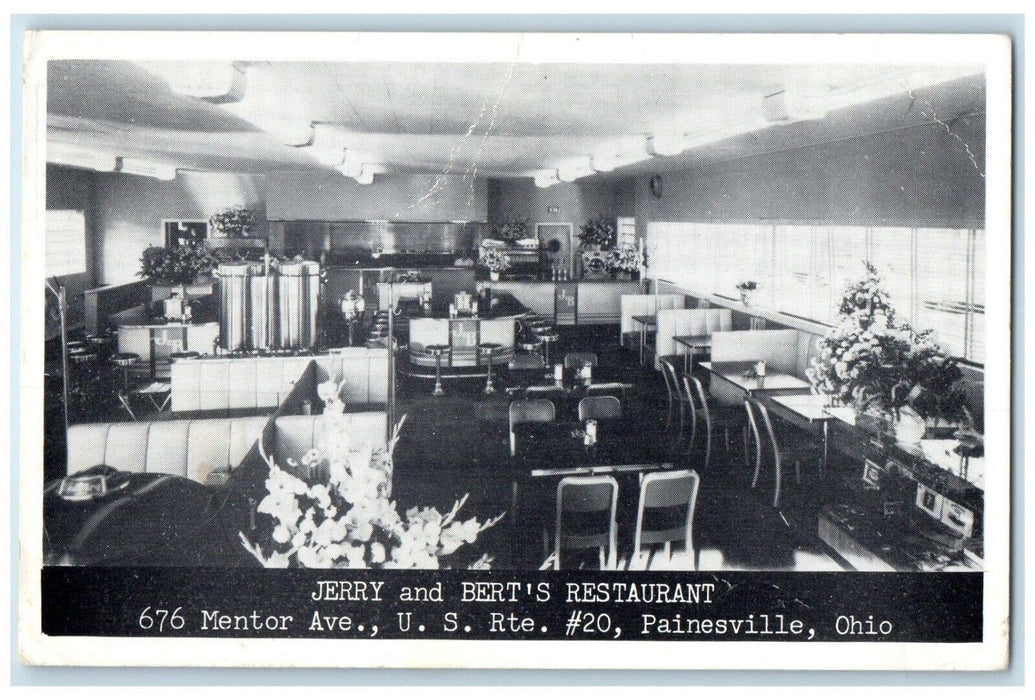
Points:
x=600 y=408
x=529 y=411
x=580 y=359
x=578 y=499
x=758 y=419
x=668 y=371
x=533 y=391
x=662 y=497
x=699 y=399
x=611 y=388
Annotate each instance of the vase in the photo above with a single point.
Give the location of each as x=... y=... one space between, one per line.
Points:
x=745 y=297
x=494 y=275
x=910 y=427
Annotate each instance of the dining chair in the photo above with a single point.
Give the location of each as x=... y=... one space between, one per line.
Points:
x=544 y=391
x=675 y=395
x=612 y=388
x=600 y=408
x=525 y=411
x=794 y=448
x=580 y=359
x=579 y=499
x=663 y=496
x=716 y=417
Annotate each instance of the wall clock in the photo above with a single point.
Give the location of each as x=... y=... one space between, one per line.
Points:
x=655 y=185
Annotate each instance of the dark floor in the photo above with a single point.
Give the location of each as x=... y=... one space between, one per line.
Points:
x=458 y=444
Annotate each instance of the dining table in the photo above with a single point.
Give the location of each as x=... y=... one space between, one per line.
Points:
x=741 y=375
x=808 y=409
x=548 y=452
x=646 y=322
x=692 y=343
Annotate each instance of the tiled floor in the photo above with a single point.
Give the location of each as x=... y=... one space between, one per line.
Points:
x=457 y=444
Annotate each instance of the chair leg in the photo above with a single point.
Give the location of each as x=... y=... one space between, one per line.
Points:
x=682 y=420
x=708 y=446
x=758 y=462
x=744 y=435
x=797 y=471
x=777 y=481
x=668 y=417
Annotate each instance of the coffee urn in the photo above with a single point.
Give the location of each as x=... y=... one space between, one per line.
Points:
x=233 y=305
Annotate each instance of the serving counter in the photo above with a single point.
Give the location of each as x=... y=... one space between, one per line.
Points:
x=596 y=302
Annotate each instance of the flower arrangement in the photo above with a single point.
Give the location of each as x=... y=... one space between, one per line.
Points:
x=495 y=260
x=870 y=361
x=180 y=265
x=624 y=259
x=510 y=228
x=747 y=286
x=233 y=222
x=340 y=516
x=600 y=231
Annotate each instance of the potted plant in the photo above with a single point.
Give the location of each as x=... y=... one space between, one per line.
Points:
x=746 y=290
x=181 y=265
x=333 y=510
x=598 y=233
x=510 y=228
x=880 y=366
x=232 y=222
x=496 y=261
x=625 y=261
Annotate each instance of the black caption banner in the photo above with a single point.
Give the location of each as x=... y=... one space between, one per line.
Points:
x=484 y=605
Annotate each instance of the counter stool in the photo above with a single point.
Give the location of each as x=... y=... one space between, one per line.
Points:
x=488 y=349
x=548 y=336
x=123 y=361
x=437 y=351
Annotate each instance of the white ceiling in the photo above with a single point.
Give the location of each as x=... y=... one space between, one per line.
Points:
x=492 y=119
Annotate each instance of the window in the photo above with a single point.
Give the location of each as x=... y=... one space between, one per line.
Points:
x=935 y=276
x=65 y=252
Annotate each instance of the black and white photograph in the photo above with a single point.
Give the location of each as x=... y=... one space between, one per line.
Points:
x=641 y=340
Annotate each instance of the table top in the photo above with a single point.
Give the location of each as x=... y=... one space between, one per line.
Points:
x=811 y=407
x=558 y=447
x=697 y=341
x=646 y=320
x=735 y=373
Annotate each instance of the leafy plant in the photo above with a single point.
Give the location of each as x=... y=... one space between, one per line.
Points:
x=181 y=265
x=624 y=259
x=233 y=222
x=600 y=231
x=872 y=362
x=747 y=286
x=495 y=260
x=510 y=228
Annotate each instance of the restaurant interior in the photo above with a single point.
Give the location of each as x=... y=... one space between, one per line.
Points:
x=515 y=315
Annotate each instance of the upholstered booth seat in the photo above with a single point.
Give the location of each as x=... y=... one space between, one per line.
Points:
x=643 y=305
x=696 y=322
x=188 y=448
x=788 y=351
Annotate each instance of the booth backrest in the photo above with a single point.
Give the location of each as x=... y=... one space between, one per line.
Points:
x=293 y=436
x=189 y=448
x=789 y=351
x=646 y=304
x=222 y=384
x=673 y=322
x=365 y=371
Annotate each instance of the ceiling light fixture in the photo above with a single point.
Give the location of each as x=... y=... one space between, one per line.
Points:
x=212 y=81
x=146 y=168
x=546 y=178
x=71 y=156
x=666 y=144
x=787 y=107
x=571 y=173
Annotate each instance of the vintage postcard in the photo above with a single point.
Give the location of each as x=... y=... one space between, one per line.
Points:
x=638 y=351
